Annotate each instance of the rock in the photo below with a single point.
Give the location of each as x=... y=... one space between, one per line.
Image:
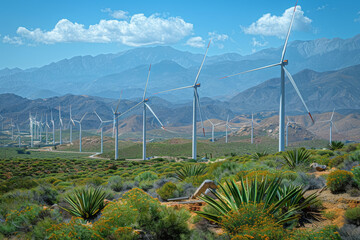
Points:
x=203 y=187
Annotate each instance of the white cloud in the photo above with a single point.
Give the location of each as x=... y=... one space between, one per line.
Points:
x=139 y=30
x=217 y=38
x=257 y=43
x=271 y=25
x=118 y=14
x=13 y=40
x=321 y=7
x=358 y=18
x=197 y=42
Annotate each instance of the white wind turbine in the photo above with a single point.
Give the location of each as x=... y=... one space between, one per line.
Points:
x=287 y=129
x=284 y=71
x=331 y=125
x=101 y=126
x=213 y=129
x=46 y=129
x=12 y=130
x=196 y=104
x=31 y=125
x=116 y=121
x=80 y=139
x=71 y=121
x=60 y=124
x=252 y=122
x=145 y=106
x=2 y=122
x=227 y=126
x=53 y=127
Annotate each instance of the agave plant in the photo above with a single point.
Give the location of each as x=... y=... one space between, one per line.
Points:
x=334 y=145
x=190 y=171
x=86 y=202
x=258 y=155
x=296 y=157
x=286 y=204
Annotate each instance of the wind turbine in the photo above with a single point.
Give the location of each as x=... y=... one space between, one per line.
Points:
x=53 y=127
x=284 y=71
x=31 y=130
x=196 y=104
x=213 y=129
x=252 y=122
x=287 y=129
x=145 y=106
x=12 y=129
x=331 y=125
x=60 y=125
x=71 y=121
x=227 y=125
x=2 y=122
x=101 y=126
x=46 y=129
x=79 y=122
x=116 y=121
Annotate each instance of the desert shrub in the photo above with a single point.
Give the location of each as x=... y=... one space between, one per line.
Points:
x=354 y=192
x=40 y=229
x=146 y=176
x=350 y=148
x=45 y=194
x=96 y=181
x=331 y=215
x=355 y=156
x=76 y=228
x=336 y=161
x=17 y=183
x=20 y=220
x=167 y=190
x=250 y=220
x=295 y=157
x=338 y=180
x=86 y=202
x=115 y=183
x=328 y=233
x=124 y=233
x=334 y=145
x=356 y=173
x=309 y=181
x=353 y=215
x=146 y=185
x=325 y=152
x=139 y=210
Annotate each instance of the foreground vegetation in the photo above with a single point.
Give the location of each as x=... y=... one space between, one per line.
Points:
x=260 y=196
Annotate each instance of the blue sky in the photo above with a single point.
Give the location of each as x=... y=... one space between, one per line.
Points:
x=35 y=33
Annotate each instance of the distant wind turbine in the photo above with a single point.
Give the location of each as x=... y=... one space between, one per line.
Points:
x=213 y=129
x=284 y=71
x=116 y=121
x=71 y=123
x=46 y=129
x=19 y=135
x=145 y=106
x=196 y=104
x=331 y=125
x=53 y=127
x=80 y=138
x=60 y=124
x=101 y=126
x=31 y=125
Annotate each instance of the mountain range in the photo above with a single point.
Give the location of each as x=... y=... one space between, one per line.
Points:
x=107 y=74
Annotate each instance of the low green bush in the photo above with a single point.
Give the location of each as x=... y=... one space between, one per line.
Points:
x=338 y=180
x=328 y=233
x=352 y=215
x=356 y=173
x=115 y=183
x=167 y=191
x=146 y=176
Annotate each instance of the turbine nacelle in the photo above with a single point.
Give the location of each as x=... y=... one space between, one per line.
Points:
x=285 y=62
x=197 y=85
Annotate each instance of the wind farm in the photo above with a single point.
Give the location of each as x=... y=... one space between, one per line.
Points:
x=229 y=121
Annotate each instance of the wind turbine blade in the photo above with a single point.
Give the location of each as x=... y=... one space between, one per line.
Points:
x=252 y=70
x=83 y=117
x=153 y=113
x=199 y=106
x=98 y=116
x=297 y=91
x=332 y=115
x=147 y=81
x=130 y=109
x=118 y=102
x=210 y=121
x=288 y=34
x=18 y=128
x=174 y=89
x=202 y=63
